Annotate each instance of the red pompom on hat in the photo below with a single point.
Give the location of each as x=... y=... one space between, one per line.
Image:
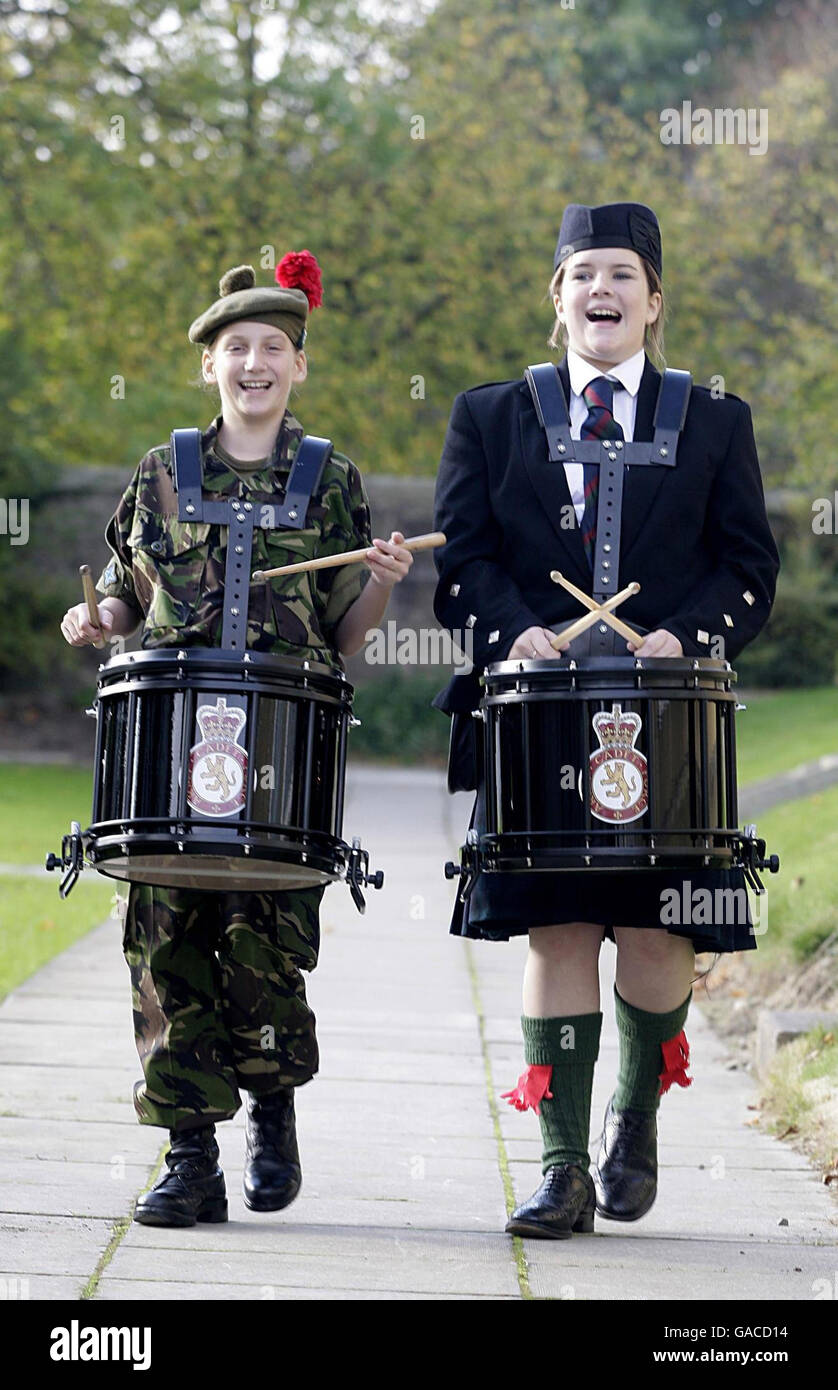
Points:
x=299 y=270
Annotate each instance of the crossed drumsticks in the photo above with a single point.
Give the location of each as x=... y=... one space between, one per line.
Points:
x=597 y=611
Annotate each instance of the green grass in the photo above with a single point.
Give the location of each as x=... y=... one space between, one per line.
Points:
x=35 y=924
x=799 y=1093
x=37 y=803
x=801 y=900
x=778 y=731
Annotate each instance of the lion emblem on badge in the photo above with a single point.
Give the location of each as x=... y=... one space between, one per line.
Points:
x=218 y=764
x=619 y=774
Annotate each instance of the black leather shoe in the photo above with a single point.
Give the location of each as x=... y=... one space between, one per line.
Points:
x=626 y=1172
x=562 y=1206
x=192 y=1189
x=272 y=1175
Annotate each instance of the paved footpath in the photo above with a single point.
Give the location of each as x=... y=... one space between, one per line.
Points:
x=409 y=1157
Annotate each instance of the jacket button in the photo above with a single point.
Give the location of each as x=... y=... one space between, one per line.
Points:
x=157 y=546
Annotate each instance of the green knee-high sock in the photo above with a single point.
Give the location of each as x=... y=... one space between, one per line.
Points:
x=570 y=1046
x=641 y=1035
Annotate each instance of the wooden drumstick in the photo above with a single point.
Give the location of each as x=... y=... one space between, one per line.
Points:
x=617 y=623
x=90 y=599
x=599 y=611
x=348 y=557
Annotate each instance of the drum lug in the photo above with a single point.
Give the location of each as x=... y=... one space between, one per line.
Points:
x=71 y=859
x=753 y=858
x=358 y=875
x=467 y=869
x=92 y=712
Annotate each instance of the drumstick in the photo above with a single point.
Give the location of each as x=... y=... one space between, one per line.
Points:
x=348 y=557
x=90 y=599
x=599 y=611
x=617 y=623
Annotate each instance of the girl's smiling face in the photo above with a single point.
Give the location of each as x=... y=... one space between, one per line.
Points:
x=254 y=365
x=605 y=304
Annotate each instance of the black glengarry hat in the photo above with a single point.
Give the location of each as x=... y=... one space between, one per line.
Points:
x=614 y=224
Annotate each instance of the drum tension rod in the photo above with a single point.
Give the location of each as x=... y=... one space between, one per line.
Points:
x=71 y=859
x=358 y=875
x=753 y=858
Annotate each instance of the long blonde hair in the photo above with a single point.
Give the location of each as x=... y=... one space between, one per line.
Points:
x=653 y=341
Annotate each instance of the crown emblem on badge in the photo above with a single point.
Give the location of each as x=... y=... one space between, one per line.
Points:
x=616 y=729
x=219 y=722
x=619 y=773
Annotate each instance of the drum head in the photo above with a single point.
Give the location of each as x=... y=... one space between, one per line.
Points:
x=214 y=874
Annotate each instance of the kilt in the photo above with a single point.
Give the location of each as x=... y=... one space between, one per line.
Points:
x=710 y=906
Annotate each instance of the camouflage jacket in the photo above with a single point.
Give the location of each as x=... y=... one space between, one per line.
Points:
x=172 y=572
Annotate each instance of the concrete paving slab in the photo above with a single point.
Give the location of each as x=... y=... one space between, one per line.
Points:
x=52 y=1287
x=72 y=1196
x=64 y=1245
x=375 y=1271
x=116 y=1290
x=36 y=1140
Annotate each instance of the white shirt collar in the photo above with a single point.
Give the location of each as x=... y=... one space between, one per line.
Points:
x=628 y=372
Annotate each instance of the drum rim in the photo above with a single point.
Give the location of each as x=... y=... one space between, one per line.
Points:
x=657 y=665
x=222 y=659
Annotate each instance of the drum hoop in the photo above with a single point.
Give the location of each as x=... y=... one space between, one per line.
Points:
x=622 y=664
x=491 y=839
x=340 y=699
x=606 y=693
x=223 y=661
x=190 y=829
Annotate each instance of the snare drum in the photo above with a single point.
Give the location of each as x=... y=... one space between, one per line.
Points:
x=609 y=763
x=218 y=772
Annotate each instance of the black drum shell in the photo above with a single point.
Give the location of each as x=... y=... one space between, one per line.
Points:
x=285 y=835
x=538 y=740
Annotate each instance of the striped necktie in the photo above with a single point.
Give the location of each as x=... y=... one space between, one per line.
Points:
x=599 y=423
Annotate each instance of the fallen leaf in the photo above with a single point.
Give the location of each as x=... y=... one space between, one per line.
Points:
x=792 y=1129
x=827 y=1038
x=830 y=1177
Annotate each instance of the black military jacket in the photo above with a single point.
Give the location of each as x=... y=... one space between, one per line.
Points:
x=695 y=537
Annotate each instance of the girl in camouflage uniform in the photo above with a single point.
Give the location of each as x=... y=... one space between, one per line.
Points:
x=214 y=974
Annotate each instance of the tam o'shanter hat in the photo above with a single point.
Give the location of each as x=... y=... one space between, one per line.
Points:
x=613 y=224
x=298 y=288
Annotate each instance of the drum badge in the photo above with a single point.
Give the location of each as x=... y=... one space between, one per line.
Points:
x=619 y=774
x=218 y=764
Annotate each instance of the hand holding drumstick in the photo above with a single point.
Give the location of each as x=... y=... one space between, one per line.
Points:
x=388 y=562
x=90 y=623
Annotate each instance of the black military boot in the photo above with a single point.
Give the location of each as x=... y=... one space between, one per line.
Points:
x=192 y=1189
x=626 y=1172
x=272 y=1175
x=562 y=1206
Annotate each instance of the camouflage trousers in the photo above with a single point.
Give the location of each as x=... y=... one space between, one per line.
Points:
x=219 y=1000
